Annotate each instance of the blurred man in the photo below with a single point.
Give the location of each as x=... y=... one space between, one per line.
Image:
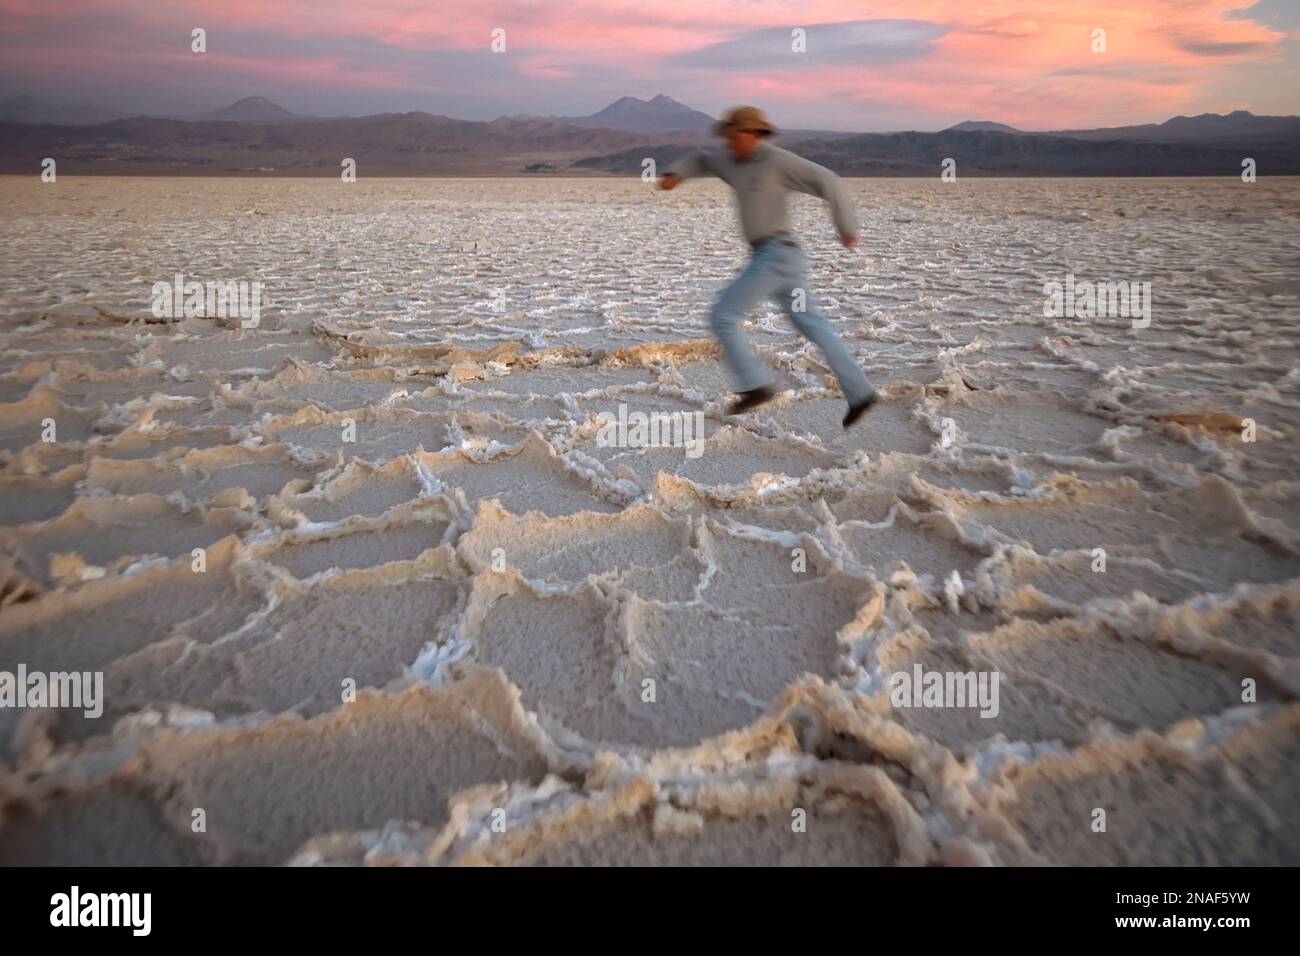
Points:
x=762 y=174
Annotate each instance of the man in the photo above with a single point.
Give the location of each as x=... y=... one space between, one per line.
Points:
x=762 y=174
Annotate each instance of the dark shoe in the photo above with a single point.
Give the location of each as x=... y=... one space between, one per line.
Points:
x=857 y=411
x=751 y=399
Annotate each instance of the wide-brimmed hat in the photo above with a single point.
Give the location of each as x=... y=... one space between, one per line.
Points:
x=745 y=119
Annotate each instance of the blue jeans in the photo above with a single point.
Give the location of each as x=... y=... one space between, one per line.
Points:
x=777 y=269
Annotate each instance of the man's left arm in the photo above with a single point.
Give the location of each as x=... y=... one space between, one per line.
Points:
x=805 y=176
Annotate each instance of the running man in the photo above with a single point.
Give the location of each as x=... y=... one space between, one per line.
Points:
x=762 y=174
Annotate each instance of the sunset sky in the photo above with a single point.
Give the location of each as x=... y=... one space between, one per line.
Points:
x=891 y=64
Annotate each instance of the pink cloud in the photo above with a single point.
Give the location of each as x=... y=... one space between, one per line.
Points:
x=1024 y=61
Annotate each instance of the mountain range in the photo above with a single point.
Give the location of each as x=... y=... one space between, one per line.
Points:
x=255 y=136
x=251 y=109
x=629 y=112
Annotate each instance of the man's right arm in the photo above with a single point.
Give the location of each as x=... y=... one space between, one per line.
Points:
x=694 y=163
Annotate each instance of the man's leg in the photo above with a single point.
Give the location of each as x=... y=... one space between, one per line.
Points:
x=756 y=283
x=810 y=321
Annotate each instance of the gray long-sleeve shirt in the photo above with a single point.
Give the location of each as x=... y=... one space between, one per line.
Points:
x=761 y=183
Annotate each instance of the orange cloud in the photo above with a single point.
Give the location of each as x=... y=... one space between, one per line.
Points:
x=1029 y=62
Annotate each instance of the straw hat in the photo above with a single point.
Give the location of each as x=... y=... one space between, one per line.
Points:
x=748 y=119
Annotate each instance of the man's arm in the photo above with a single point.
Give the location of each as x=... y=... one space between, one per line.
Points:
x=694 y=163
x=805 y=176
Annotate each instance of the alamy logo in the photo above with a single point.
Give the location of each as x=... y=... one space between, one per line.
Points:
x=1086 y=300
x=76 y=689
x=922 y=688
x=208 y=300
x=103 y=909
x=656 y=430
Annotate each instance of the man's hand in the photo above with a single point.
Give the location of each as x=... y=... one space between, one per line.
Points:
x=849 y=241
x=670 y=181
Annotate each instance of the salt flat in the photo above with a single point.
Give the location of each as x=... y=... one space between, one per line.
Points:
x=368 y=584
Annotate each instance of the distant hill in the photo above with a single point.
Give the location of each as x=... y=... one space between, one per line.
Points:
x=976 y=126
x=257 y=137
x=635 y=115
x=395 y=144
x=1238 y=126
x=663 y=113
x=631 y=113
x=29 y=109
x=995 y=153
x=250 y=108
